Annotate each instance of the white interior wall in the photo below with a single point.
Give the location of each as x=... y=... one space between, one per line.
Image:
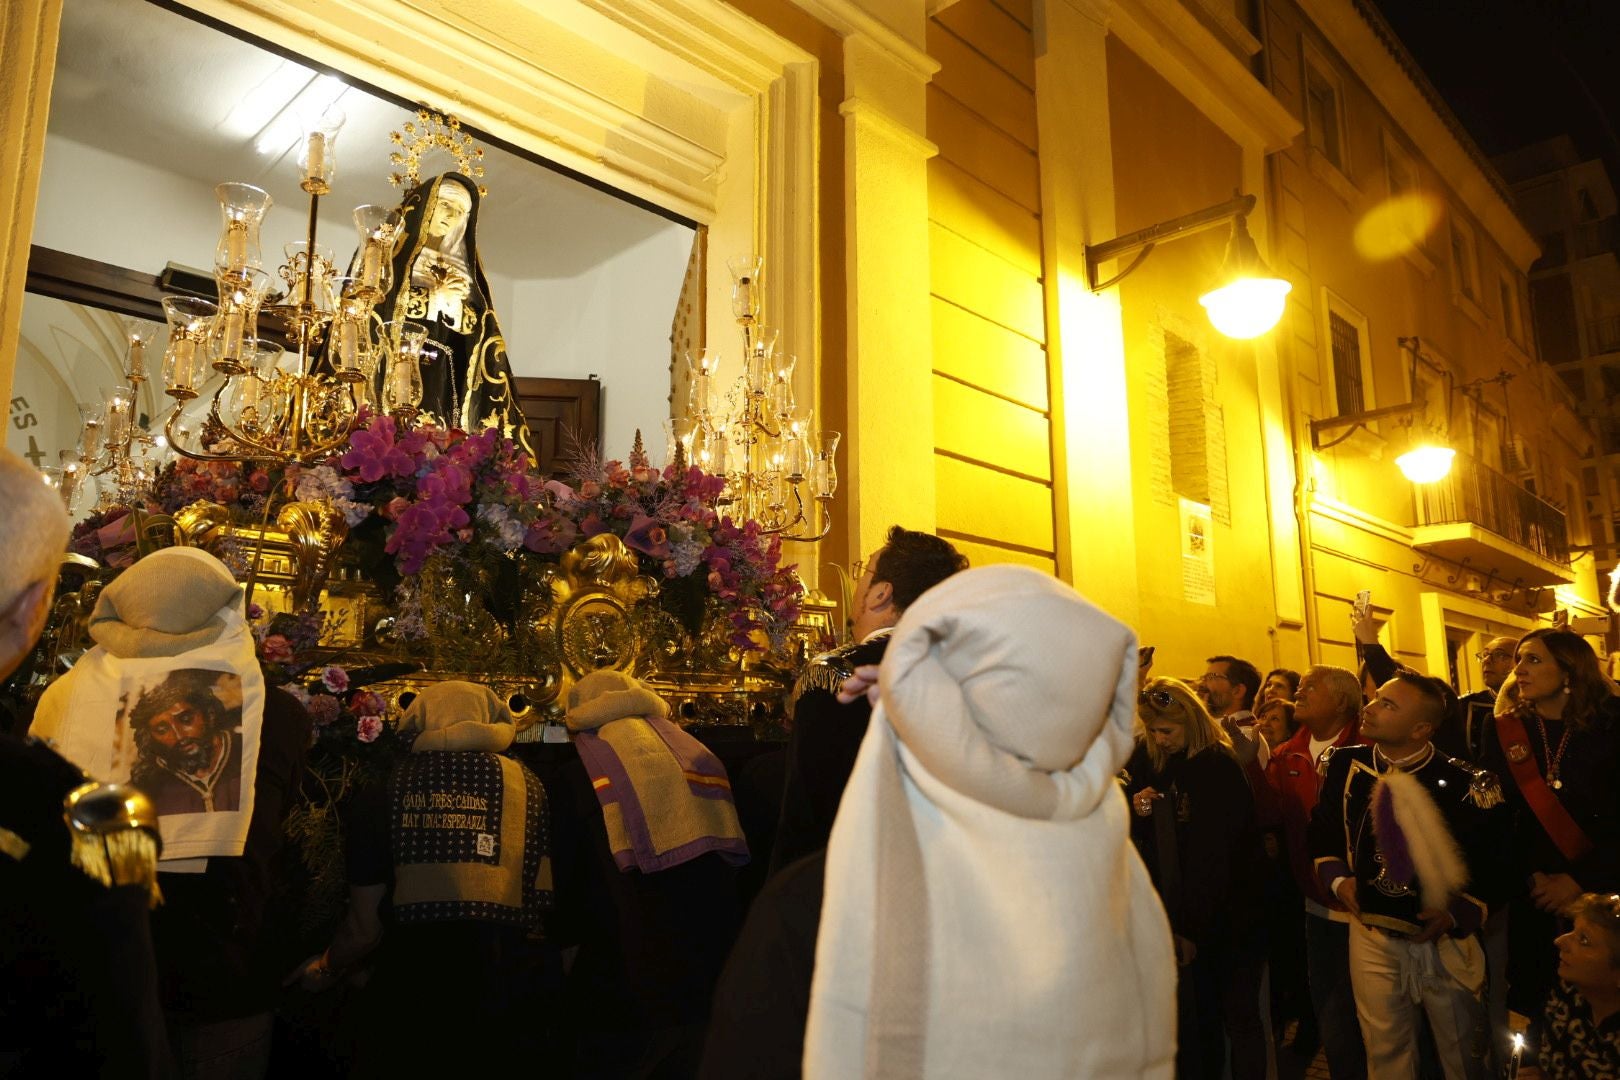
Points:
x=613 y=321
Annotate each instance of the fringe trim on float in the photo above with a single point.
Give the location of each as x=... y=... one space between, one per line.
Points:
x=1421 y=829
x=125 y=857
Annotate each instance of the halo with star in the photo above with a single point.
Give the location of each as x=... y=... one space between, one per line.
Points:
x=433 y=131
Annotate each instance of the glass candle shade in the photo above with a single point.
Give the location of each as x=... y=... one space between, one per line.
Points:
x=678 y=432
x=798 y=452
x=317 y=151
x=52 y=475
x=758 y=361
x=745 y=295
x=140 y=336
x=402 y=387
x=824 y=477
x=243 y=207
x=259 y=397
x=376 y=226
x=238 y=319
x=73 y=473
x=120 y=417
x=351 y=340
x=190 y=318
x=93 y=416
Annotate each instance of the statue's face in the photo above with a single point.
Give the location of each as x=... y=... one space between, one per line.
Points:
x=450 y=208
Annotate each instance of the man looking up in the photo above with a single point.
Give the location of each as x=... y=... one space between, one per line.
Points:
x=1399 y=833
x=1229 y=688
x=1464 y=733
x=826 y=735
x=1328 y=708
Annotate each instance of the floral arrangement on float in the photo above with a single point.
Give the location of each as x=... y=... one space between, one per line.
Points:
x=435 y=514
x=412 y=496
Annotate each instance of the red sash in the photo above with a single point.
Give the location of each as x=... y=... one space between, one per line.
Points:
x=1560 y=827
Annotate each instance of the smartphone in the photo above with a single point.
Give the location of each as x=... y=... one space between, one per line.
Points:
x=1363 y=603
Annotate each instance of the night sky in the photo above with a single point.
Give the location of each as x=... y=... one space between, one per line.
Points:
x=1518 y=71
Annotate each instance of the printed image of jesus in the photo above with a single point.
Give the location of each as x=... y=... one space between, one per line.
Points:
x=188 y=742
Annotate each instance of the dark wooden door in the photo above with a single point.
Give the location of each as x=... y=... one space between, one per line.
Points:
x=562 y=414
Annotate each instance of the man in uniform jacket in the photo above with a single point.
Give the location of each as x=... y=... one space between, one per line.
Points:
x=1469 y=726
x=78 y=980
x=1407 y=838
x=826 y=735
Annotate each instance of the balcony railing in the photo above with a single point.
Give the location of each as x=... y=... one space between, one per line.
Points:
x=1603 y=335
x=1479 y=495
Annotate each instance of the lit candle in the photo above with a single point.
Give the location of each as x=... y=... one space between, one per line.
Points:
x=315 y=157
x=182 y=352
x=90 y=443
x=371 y=265
x=348 y=345
x=236 y=240
x=231 y=336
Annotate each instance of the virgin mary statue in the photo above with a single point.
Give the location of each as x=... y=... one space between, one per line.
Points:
x=439 y=282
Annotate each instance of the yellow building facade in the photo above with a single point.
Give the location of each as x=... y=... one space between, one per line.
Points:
x=923 y=179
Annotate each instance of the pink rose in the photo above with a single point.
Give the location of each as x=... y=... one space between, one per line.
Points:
x=367 y=728
x=259 y=481
x=395 y=507
x=590 y=489
x=335 y=679
x=276 y=649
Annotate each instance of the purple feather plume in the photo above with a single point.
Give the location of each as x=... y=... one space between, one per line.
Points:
x=1391 y=840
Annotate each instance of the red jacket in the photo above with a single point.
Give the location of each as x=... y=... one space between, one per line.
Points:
x=1294 y=776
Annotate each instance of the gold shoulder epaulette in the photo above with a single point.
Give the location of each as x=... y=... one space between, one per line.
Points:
x=115 y=835
x=1485 y=790
x=826 y=672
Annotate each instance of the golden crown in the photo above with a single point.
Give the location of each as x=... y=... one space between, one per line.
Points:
x=433 y=131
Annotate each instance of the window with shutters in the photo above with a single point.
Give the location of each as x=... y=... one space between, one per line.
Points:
x=1324 y=113
x=1349 y=361
x=1464 y=259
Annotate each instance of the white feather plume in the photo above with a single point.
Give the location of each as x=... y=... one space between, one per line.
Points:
x=1436 y=858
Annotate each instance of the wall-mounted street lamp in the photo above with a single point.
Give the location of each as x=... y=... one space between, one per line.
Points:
x=1246 y=302
x=1427 y=461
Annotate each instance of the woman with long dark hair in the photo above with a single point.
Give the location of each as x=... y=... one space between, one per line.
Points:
x=1194 y=824
x=1556 y=752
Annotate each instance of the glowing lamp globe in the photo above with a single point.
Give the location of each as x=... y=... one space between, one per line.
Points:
x=1248 y=307
x=1426 y=464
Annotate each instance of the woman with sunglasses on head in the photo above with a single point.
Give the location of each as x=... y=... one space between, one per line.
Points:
x=1194 y=824
x=1577 y=1034
x=1556 y=749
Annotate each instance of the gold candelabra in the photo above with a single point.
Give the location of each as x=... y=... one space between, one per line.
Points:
x=273 y=406
x=779 y=470
x=115 y=456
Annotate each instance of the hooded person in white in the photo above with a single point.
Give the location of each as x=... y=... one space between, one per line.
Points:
x=985 y=913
